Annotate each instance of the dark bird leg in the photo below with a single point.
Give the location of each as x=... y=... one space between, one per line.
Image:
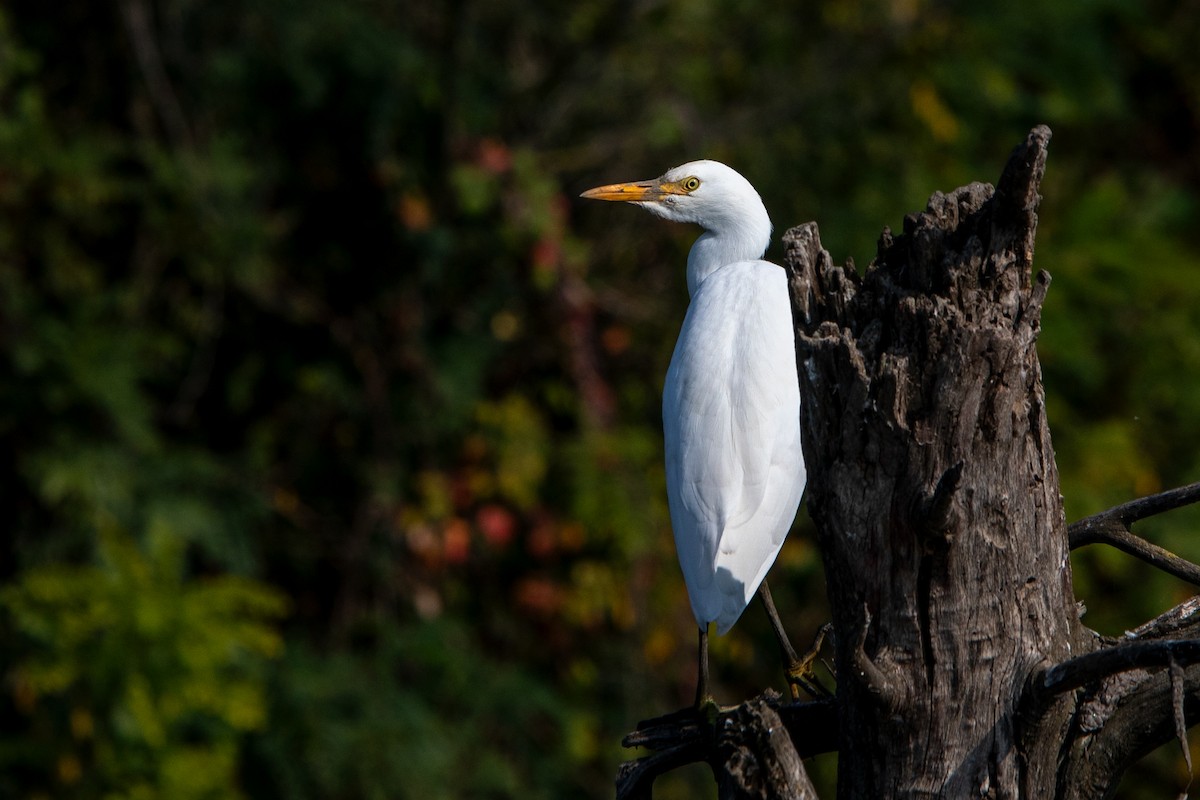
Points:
x=703 y=698
x=799 y=670
x=703 y=707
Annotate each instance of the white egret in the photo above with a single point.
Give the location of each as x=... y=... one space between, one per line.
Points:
x=731 y=403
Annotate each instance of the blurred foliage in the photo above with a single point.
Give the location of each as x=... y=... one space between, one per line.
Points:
x=297 y=310
x=139 y=681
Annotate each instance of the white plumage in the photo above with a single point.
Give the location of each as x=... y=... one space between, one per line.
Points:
x=731 y=403
x=731 y=417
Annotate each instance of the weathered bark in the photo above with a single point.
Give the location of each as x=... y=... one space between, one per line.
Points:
x=934 y=490
x=1125 y=710
x=963 y=668
x=756 y=758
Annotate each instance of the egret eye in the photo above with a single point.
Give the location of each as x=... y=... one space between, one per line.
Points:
x=690 y=184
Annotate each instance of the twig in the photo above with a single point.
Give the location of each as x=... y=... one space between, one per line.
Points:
x=1112 y=527
x=1139 y=548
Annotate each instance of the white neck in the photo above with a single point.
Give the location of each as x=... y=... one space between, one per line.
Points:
x=745 y=241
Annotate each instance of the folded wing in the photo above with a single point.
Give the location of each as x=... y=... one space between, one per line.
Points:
x=731 y=415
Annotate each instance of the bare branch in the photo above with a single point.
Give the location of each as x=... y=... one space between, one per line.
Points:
x=1090 y=529
x=635 y=779
x=1116 y=535
x=1124 y=718
x=666 y=732
x=1180 y=622
x=1127 y=700
x=1112 y=527
x=1105 y=663
x=761 y=731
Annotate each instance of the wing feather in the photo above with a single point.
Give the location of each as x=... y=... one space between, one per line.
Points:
x=731 y=409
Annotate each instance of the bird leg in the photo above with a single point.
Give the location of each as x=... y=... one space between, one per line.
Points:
x=703 y=698
x=704 y=707
x=799 y=670
x=810 y=656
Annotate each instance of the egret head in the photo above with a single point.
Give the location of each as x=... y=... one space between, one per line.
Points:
x=707 y=193
x=714 y=197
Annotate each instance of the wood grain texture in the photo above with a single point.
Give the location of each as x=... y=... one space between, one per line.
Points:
x=935 y=492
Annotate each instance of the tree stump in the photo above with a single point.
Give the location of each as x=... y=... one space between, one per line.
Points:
x=934 y=490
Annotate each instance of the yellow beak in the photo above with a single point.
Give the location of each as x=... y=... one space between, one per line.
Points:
x=635 y=192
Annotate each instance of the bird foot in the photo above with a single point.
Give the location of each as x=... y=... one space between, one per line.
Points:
x=800 y=673
x=704 y=711
x=707 y=709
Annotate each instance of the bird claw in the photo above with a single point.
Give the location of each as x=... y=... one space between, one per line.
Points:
x=707 y=709
x=800 y=672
